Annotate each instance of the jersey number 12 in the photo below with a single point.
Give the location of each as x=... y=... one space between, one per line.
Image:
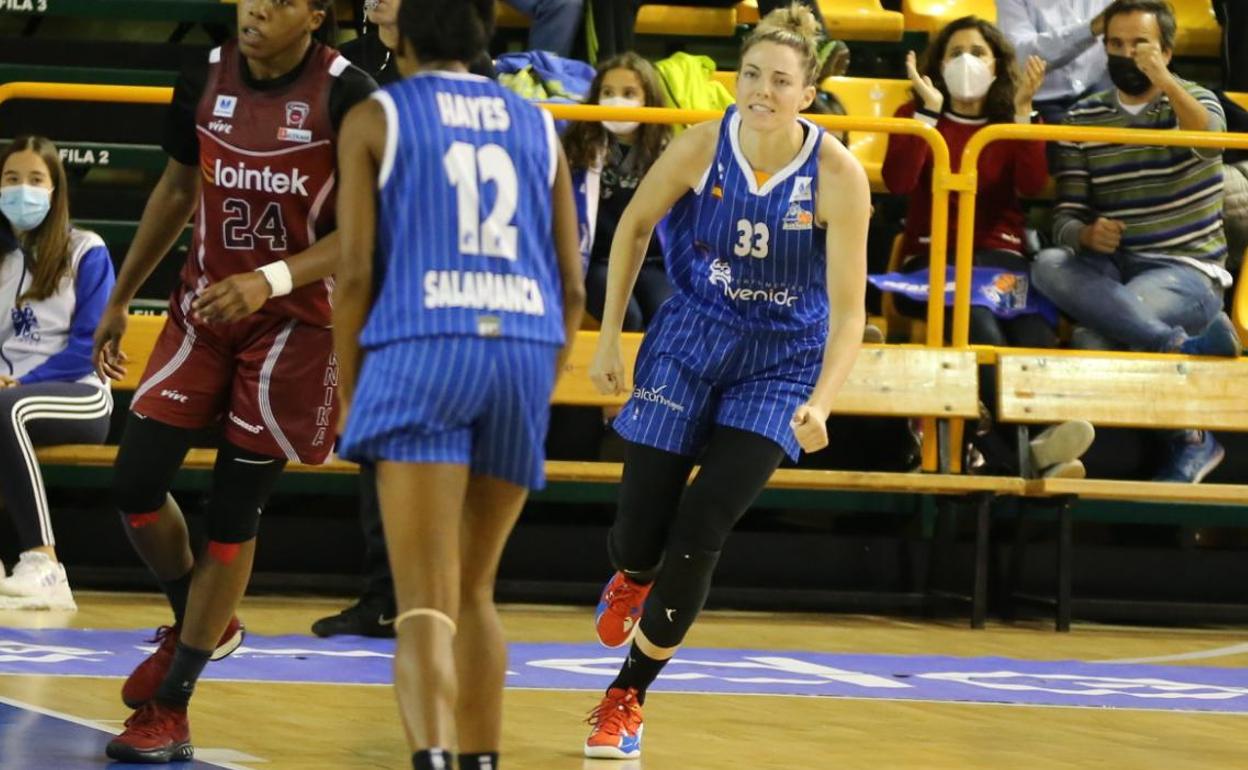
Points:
x=467 y=167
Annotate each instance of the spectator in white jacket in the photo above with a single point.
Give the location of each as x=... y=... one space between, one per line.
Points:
x=1067 y=35
x=54 y=282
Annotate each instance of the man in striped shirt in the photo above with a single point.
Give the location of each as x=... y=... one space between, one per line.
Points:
x=1139 y=228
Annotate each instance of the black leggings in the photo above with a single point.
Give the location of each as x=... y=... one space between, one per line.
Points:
x=673 y=533
x=43 y=414
x=651 y=291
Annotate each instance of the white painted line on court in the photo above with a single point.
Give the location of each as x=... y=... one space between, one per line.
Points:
x=1217 y=652
x=111 y=731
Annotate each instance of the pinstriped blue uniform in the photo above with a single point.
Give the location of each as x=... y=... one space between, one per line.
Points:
x=462 y=339
x=740 y=343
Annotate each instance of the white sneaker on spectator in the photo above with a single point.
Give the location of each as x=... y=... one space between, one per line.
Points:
x=37 y=583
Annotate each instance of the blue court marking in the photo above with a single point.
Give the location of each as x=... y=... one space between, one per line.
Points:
x=987 y=680
x=31 y=738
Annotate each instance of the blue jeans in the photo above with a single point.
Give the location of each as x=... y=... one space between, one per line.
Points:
x=1128 y=301
x=555 y=23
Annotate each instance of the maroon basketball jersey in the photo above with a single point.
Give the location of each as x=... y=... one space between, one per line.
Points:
x=268 y=160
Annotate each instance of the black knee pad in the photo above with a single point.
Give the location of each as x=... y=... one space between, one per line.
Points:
x=241 y=484
x=679 y=594
x=641 y=573
x=706 y=518
x=151 y=453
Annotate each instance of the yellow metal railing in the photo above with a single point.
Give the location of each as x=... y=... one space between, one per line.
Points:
x=75 y=92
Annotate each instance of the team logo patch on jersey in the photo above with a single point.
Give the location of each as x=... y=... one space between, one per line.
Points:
x=25 y=323
x=798 y=218
x=225 y=106
x=801 y=190
x=297 y=113
x=300 y=135
x=721 y=276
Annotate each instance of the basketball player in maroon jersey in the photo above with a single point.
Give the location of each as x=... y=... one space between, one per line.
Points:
x=247 y=346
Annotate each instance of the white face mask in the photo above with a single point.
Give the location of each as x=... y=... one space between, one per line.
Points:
x=620 y=127
x=967 y=77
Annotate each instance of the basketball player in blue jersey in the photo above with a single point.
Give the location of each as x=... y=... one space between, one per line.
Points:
x=458 y=296
x=768 y=217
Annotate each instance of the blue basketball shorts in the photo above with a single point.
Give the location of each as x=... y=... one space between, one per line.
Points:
x=484 y=403
x=693 y=373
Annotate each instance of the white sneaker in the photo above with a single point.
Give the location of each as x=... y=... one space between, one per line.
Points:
x=37 y=583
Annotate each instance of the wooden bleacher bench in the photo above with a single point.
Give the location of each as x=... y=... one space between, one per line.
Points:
x=1121 y=390
x=895 y=380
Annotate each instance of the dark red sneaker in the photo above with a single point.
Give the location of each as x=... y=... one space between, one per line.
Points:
x=141 y=685
x=155 y=733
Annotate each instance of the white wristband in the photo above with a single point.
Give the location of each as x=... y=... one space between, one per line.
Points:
x=279 y=278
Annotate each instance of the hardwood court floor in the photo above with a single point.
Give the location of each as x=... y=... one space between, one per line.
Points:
x=314 y=726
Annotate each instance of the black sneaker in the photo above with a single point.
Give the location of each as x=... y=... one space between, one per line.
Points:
x=367 y=617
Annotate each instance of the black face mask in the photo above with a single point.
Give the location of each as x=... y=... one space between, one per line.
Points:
x=1126 y=76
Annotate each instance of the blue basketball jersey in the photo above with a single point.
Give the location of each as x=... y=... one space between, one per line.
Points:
x=464 y=243
x=748 y=254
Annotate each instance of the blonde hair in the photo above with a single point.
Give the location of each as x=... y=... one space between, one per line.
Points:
x=794 y=26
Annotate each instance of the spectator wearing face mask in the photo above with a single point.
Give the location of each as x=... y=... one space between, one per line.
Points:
x=54 y=283
x=1140 y=261
x=968 y=79
x=608 y=160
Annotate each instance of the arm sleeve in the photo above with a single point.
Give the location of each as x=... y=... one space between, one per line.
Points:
x=1057 y=46
x=181 y=141
x=1074 y=203
x=349 y=89
x=906 y=155
x=92 y=286
x=1217 y=119
x=1031 y=168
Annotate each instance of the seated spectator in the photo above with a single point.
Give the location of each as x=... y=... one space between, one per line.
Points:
x=968 y=79
x=1141 y=243
x=57 y=279
x=1067 y=36
x=555 y=24
x=611 y=158
x=373 y=49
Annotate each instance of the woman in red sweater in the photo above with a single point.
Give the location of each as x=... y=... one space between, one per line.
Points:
x=969 y=79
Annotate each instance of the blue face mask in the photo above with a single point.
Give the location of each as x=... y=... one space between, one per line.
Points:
x=25 y=206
